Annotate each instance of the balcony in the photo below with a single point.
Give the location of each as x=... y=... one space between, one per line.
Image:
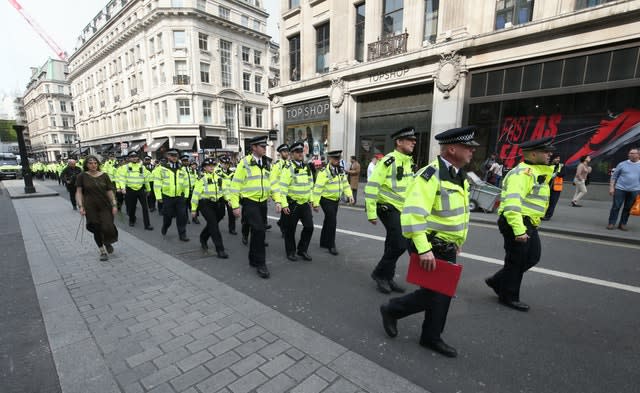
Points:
x=181 y=80
x=134 y=92
x=386 y=47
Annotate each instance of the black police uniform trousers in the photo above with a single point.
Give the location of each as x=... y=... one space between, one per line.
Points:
x=435 y=305
x=151 y=198
x=174 y=207
x=553 y=201
x=131 y=198
x=232 y=218
x=519 y=257
x=253 y=214
x=213 y=212
x=394 y=243
x=328 y=233
x=297 y=212
x=119 y=200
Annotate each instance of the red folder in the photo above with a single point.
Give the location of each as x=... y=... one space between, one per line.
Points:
x=442 y=280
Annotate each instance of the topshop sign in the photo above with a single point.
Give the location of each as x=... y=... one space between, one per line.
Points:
x=310 y=111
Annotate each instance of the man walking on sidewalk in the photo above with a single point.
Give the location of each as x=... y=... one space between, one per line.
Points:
x=624 y=187
x=69 y=175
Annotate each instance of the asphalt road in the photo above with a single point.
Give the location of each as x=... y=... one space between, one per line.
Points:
x=578 y=336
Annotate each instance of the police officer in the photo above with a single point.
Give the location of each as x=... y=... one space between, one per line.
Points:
x=133 y=183
x=154 y=175
x=435 y=217
x=331 y=185
x=555 y=186
x=172 y=188
x=276 y=168
x=207 y=199
x=192 y=176
x=251 y=189
x=225 y=172
x=384 y=196
x=524 y=200
x=151 y=197
x=294 y=200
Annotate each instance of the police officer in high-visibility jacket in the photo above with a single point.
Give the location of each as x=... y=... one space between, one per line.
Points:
x=331 y=186
x=555 y=184
x=192 y=176
x=208 y=199
x=435 y=217
x=384 y=197
x=151 y=197
x=276 y=168
x=293 y=198
x=524 y=200
x=251 y=188
x=133 y=182
x=172 y=188
x=225 y=172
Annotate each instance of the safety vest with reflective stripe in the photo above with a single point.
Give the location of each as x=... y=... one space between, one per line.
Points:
x=525 y=193
x=276 y=170
x=436 y=205
x=250 y=181
x=227 y=177
x=209 y=187
x=296 y=182
x=331 y=183
x=389 y=182
x=169 y=182
x=557 y=179
x=134 y=176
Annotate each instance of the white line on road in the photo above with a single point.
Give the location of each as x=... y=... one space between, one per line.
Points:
x=555 y=273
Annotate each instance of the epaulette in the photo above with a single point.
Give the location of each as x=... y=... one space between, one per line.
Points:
x=528 y=171
x=426 y=175
x=389 y=160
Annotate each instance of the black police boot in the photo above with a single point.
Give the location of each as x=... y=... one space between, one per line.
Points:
x=382 y=285
x=222 y=254
x=441 y=347
x=304 y=255
x=245 y=240
x=333 y=251
x=263 y=272
x=292 y=257
x=515 y=304
x=389 y=323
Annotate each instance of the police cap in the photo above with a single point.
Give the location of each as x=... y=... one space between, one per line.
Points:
x=462 y=135
x=207 y=161
x=225 y=159
x=259 y=140
x=405 y=133
x=147 y=158
x=334 y=153
x=283 y=147
x=296 y=146
x=542 y=144
x=133 y=154
x=185 y=157
x=172 y=152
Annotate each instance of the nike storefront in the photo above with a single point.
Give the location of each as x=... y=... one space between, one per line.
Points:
x=590 y=103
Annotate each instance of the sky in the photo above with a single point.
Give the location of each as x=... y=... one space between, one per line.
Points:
x=63 y=20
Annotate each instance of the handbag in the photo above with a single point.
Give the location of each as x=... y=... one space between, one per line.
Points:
x=635 y=209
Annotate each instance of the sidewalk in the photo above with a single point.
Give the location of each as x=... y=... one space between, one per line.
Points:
x=145 y=321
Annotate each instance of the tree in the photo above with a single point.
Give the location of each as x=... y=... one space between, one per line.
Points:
x=7 y=133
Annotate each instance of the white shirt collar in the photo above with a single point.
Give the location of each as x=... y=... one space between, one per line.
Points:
x=448 y=164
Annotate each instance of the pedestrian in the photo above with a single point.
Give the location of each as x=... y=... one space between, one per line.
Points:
x=69 y=176
x=331 y=187
x=556 y=183
x=151 y=196
x=354 y=177
x=581 y=181
x=226 y=174
x=525 y=196
x=96 y=200
x=384 y=196
x=624 y=187
x=133 y=183
x=251 y=189
x=282 y=164
x=172 y=188
x=495 y=172
x=435 y=218
x=208 y=198
x=486 y=166
x=293 y=198
x=372 y=164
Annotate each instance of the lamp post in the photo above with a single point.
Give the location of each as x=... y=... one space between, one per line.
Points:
x=24 y=161
x=79 y=147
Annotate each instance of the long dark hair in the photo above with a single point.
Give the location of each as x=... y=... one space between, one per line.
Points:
x=583 y=158
x=86 y=160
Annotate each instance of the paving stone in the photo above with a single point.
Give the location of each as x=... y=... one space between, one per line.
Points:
x=313 y=384
x=269 y=337
x=216 y=382
x=163 y=327
x=149 y=315
x=303 y=369
x=142 y=357
x=159 y=377
x=342 y=386
x=132 y=375
x=179 y=341
x=185 y=328
x=160 y=337
x=229 y=331
x=194 y=360
x=247 y=364
x=203 y=343
x=281 y=383
x=248 y=382
x=205 y=330
x=143 y=325
x=172 y=357
x=277 y=365
x=164 y=388
x=326 y=374
x=251 y=333
x=250 y=347
x=216 y=316
x=296 y=354
x=190 y=378
x=224 y=346
x=274 y=349
x=133 y=388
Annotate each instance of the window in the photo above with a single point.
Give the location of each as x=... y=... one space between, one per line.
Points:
x=163 y=76
x=65 y=123
x=154 y=76
x=256 y=57
x=181 y=67
x=53 y=121
x=256 y=24
x=258 y=83
x=224 y=12
x=294 y=58
x=63 y=106
x=430 y=20
x=61 y=89
x=247 y=116
x=259 y=117
x=244 y=20
x=204 y=72
x=225 y=62
x=201 y=4
x=152 y=44
x=159 y=41
x=392 y=18
x=54 y=137
x=176 y=3
x=513 y=12
x=165 y=110
x=184 y=111
x=230 y=119
x=51 y=106
x=246 y=81
x=245 y=54
x=580 y=4
x=322 y=48
x=359 y=55
x=179 y=39
x=203 y=41
x=206 y=111
x=294 y=3
x=156 y=112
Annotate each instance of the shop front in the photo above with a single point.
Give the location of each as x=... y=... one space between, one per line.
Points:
x=309 y=123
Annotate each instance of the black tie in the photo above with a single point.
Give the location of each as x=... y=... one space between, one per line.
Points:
x=452 y=172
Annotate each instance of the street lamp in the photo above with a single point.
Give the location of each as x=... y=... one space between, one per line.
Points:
x=24 y=161
x=79 y=146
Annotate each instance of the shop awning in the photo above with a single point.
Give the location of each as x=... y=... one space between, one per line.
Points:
x=156 y=144
x=75 y=152
x=184 y=143
x=136 y=145
x=104 y=148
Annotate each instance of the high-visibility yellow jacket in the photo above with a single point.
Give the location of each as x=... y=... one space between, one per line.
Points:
x=525 y=193
x=227 y=177
x=436 y=205
x=389 y=182
x=250 y=181
x=134 y=176
x=276 y=170
x=209 y=186
x=296 y=182
x=192 y=176
x=331 y=183
x=170 y=182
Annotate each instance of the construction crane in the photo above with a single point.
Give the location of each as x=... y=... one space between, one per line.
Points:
x=62 y=55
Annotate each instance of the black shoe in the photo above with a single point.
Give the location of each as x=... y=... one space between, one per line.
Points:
x=492 y=285
x=575 y=204
x=267 y=227
x=132 y=224
x=546 y=218
x=332 y=250
x=263 y=272
x=196 y=221
x=184 y=238
x=109 y=248
x=203 y=245
x=233 y=231
x=292 y=257
x=305 y=256
x=148 y=228
x=245 y=240
x=515 y=304
x=222 y=254
x=395 y=287
x=389 y=323
x=382 y=285
x=441 y=347
x=163 y=230
x=75 y=208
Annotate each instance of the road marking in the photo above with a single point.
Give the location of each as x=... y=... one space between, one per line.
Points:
x=549 y=272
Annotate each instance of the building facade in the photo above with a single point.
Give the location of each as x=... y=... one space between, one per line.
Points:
x=354 y=71
x=49 y=112
x=150 y=75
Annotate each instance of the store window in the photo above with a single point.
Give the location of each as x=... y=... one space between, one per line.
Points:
x=309 y=123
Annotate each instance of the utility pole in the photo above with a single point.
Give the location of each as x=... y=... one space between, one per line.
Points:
x=24 y=161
